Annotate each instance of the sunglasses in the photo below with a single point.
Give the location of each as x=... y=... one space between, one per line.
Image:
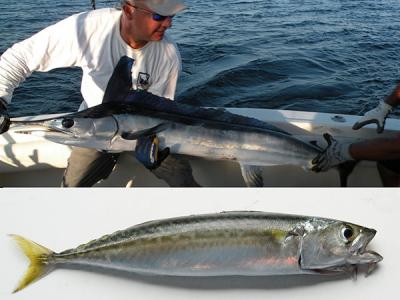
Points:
x=155 y=16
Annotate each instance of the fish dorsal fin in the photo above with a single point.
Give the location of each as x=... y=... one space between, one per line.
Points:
x=120 y=82
x=252 y=175
x=145 y=132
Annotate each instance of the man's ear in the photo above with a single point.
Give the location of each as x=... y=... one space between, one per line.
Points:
x=128 y=11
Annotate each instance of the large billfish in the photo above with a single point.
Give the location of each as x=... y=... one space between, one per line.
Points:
x=224 y=244
x=126 y=115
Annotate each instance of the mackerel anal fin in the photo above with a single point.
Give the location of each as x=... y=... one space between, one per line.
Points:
x=252 y=175
x=145 y=132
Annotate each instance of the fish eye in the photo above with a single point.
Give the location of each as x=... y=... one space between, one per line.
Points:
x=347 y=233
x=67 y=123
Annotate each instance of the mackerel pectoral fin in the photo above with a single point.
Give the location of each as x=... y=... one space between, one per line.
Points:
x=346 y=269
x=39 y=256
x=145 y=132
x=252 y=175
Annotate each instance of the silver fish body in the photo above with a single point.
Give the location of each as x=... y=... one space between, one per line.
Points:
x=229 y=243
x=202 y=137
x=249 y=147
x=209 y=245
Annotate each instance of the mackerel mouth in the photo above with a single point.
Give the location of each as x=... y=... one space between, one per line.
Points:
x=359 y=253
x=361 y=242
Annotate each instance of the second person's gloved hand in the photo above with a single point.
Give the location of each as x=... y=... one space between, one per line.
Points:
x=377 y=115
x=148 y=153
x=335 y=154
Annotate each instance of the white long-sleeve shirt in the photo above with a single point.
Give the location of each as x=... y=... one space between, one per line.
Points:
x=92 y=41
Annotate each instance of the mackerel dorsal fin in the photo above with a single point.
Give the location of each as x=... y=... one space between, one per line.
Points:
x=120 y=82
x=252 y=175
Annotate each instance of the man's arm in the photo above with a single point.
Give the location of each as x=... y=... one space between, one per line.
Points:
x=394 y=98
x=53 y=47
x=339 y=152
x=376 y=149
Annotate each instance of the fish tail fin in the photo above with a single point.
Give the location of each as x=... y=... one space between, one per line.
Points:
x=40 y=261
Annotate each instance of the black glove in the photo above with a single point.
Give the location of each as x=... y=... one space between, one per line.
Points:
x=147 y=152
x=4 y=117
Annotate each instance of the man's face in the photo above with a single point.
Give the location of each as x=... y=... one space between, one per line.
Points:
x=143 y=25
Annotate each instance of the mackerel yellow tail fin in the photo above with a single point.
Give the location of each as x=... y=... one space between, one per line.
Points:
x=39 y=256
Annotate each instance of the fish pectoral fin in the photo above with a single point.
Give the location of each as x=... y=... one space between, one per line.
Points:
x=145 y=132
x=345 y=169
x=346 y=269
x=252 y=175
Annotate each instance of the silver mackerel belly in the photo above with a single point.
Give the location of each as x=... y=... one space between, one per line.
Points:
x=230 y=244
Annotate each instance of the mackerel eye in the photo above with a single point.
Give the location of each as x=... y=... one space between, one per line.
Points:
x=67 y=123
x=347 y=234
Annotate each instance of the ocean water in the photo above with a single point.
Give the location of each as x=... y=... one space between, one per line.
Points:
x=333 y=56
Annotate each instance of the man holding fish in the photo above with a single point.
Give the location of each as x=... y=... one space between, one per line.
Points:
x=95 y=41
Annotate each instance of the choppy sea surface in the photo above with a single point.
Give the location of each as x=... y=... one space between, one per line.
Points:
x=316 y=55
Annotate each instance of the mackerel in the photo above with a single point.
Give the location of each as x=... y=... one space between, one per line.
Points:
x=230 y=243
